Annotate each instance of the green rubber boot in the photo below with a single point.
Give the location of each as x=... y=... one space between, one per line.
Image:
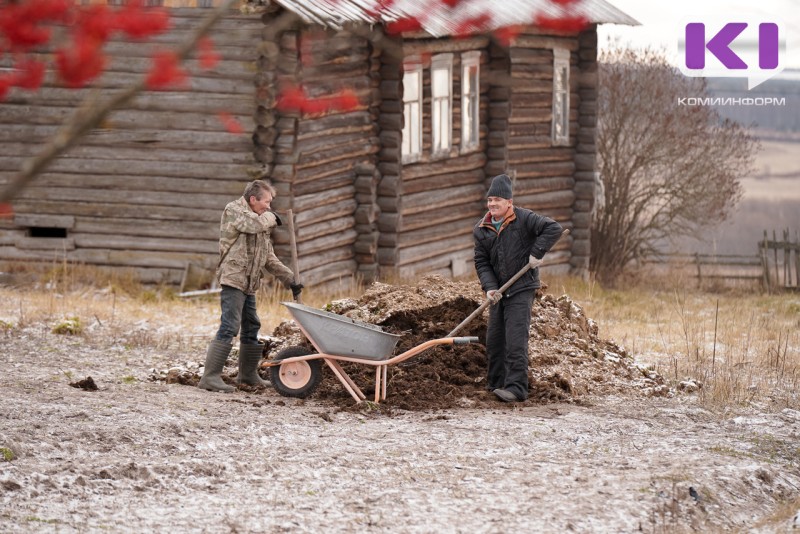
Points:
x=215 y=361
x=249 y=358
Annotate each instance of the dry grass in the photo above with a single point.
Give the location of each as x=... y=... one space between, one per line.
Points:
x=742 y=346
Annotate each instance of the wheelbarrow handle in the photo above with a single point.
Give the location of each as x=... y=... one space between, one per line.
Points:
x=502 y=289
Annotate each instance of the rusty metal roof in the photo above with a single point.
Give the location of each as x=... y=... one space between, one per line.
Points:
x=439 y=20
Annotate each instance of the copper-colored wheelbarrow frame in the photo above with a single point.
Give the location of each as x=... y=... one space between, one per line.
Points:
x=296 y=373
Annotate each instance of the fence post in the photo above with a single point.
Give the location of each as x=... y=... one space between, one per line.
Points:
x=762 y=249
x=775 y=244
x=699 y=271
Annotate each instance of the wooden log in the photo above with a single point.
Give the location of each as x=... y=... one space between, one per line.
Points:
x=444 y=181
x=119 y=242
x=148 y=228
x=520 y=156
x=44 y=220
x=124 y=183
x=442 y=247
x=543 y=170
x=308 y=263
x=342 y=208
x=331 y=226
x=361 y=148
x=138 y=198
x=546 y=201
x=543 y=185
x=470 y=162
x=461 y=227
x=136 y=167
x=331 y=196
x=323 y=184
x=437 y=46
x=130 y=211
x=332 y=272
x=328 y=242
x=424 y=201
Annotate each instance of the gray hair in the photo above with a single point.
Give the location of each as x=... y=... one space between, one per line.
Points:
x=257 y=188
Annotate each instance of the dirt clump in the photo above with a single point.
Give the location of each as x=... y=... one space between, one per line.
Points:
x=87 y=384
x=568 y=358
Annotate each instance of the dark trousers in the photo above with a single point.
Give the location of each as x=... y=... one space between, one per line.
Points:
x=238 y=311
x=507 y=343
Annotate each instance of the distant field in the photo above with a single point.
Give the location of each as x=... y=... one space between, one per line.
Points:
x=771 y=201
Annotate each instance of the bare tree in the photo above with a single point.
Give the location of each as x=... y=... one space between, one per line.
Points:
x=668 y=169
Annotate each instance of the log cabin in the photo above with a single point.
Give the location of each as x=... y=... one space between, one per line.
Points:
x=389 y=187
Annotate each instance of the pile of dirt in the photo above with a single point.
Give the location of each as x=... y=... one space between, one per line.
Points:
x=568 y=359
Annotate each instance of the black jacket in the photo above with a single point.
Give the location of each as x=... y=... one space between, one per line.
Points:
x=499 y=256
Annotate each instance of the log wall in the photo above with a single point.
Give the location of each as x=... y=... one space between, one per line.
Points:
x=145 y=190
x=430 y=206
x=322 y=164
x=547 y=176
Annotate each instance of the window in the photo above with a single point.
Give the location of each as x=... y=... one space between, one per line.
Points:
x=560 y=130
x=470 y=100
x=412 y=112
x=441 y=103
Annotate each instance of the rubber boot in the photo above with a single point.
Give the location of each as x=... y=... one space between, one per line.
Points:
x=215 y=361
x=249 y=358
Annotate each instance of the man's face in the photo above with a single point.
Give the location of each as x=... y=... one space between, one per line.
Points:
x=499 y=207
x=260 y=206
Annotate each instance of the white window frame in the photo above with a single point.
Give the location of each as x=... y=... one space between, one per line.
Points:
x=470 y=101
x=411 y=146
x=441 y=105
x=560 y=126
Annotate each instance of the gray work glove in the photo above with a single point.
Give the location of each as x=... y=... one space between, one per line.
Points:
x=494 y=296
x=534 y=262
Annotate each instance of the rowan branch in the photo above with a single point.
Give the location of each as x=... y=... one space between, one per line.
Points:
x=92 y=112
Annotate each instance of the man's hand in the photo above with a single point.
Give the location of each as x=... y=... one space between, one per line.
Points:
x=494 y=296
x=296 y=289
x=534 y=262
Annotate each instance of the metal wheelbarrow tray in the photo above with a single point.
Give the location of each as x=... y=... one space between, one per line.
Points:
x=295 y=372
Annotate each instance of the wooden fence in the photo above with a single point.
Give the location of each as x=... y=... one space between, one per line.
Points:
x=775 y=267
x=780 y=271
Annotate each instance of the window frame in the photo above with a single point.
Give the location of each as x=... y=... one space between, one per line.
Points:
x=470 y=124
x=441 y=119
x=407 y=152
x=559 y=132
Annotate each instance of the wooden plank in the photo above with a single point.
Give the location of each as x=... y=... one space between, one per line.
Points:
x=323 y=184
x=332 y=272
x=519 y=156
x=436 y=46
x=308 y=263
x=461 y=227
x=546 y=201
x=545 y=170
x=332 y=226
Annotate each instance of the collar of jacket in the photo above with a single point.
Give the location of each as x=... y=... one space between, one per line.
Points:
x=487 y=221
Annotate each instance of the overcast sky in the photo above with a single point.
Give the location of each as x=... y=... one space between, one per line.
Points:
x=663 y=20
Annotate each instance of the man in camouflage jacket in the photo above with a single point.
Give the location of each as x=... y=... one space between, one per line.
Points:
x=246 y=254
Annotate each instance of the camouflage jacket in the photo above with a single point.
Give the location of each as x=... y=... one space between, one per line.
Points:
x=245 y=248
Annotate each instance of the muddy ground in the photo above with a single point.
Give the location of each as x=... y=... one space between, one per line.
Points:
x=603 y=444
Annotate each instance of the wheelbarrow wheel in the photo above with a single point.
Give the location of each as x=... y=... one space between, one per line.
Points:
x=296 y=379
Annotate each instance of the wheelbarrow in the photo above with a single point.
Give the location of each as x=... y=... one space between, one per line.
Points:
x=296 y=371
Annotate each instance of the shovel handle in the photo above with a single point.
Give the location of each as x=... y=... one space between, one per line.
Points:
x=502 y=289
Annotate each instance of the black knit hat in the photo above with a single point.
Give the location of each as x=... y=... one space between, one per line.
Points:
x=501 y=187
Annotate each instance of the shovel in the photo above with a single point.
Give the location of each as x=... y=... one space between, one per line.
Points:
x=503 y=289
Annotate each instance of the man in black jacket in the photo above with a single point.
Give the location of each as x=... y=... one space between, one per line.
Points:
x=505 y=240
